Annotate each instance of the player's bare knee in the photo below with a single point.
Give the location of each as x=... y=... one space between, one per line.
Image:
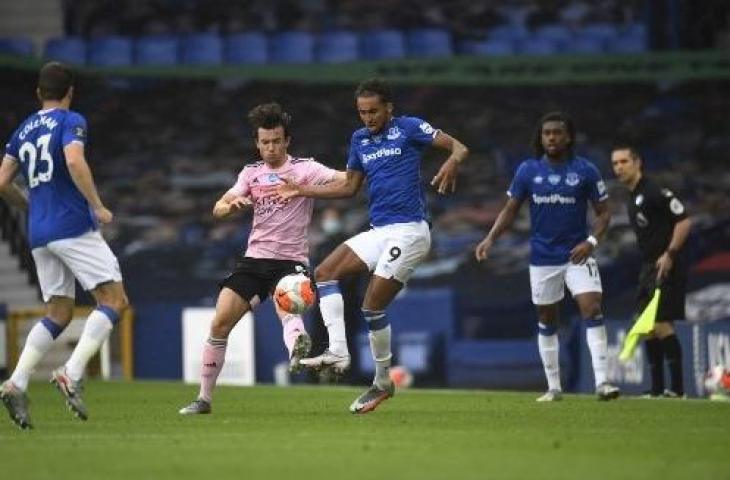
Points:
x=221 y=327
x=324 y=273
x=592 y=310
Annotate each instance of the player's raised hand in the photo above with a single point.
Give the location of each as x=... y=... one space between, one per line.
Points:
x=482 y=250
x=581 y=252
x=288 y=189
x=103 y=214
x=445 y=179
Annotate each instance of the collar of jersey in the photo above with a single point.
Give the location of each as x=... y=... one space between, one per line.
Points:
x=383 y=130
x=545 y=160
x=43 y=112
x=279 y=168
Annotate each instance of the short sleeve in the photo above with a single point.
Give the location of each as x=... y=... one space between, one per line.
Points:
x=673 y=205
x=353 y=158
x=12 y=147
x=596 y=186
x=519 y=189
x=318 y=174
x=74 y=129
x=241 y=187
x=419 y=131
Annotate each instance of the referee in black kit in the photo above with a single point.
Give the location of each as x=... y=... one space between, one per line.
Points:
x=661 y=226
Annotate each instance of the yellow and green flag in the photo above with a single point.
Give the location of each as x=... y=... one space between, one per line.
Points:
x=644 y=324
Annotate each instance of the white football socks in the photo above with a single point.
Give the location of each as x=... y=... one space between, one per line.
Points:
x=39 y=341
x=549 y=346
x=333 y=315
x=96 y=330
x=598 y=346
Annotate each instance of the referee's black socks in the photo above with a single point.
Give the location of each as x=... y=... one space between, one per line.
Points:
x=673 y=354
x=655 y=356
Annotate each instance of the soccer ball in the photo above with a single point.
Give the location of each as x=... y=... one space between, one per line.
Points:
x=294 y=293
x=717 y=380
x=401 y=376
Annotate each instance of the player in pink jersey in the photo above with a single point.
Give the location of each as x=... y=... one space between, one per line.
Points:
x=277 y=245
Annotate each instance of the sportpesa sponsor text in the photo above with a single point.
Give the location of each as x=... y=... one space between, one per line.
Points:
x=554 y=198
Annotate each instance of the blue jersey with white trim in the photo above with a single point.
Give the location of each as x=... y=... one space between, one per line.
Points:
x=57 y=208
x=391 y=163
x=559 y=195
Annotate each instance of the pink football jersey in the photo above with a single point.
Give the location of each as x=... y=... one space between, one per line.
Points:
x=280 y=227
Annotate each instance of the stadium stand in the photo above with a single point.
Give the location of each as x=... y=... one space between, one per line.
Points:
x=246 y=48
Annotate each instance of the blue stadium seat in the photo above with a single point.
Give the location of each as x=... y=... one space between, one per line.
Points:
x=487 y=48
x=635 y=29
x=112 y=51
x=246 y=48
x=508 y=32
x=629 y=44
x=604 y=31
x=429 y=42
x=156 y=50
x=337 y=47
x=202 y=49
x=584 y=45
x=558 y=33
x=292 y=47
x=66 y=49
x=383 y=45
x=18 y=46
x=538 y=46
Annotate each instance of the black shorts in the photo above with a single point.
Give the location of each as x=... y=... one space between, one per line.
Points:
x=674 y=290
x=255 y=278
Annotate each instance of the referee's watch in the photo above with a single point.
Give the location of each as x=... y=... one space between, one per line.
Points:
x=592 y=240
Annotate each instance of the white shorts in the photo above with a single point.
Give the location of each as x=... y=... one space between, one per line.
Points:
x=87 y=258
x=393 y=251
x=548 y=282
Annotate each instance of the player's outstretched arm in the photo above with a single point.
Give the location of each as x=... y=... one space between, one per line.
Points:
x=84 y=181
x=445 y=179
x=580 y=253
x=344 y=185
x=503 y=222
x=8 y=190
x=230 y=203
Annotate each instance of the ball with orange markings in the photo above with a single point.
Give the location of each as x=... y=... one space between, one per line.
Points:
x=294 y=293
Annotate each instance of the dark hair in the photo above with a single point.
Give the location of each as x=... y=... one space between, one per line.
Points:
x=375 y=86
x=552 y=117
x=633 y=151
x=54 y=81
x=269 y=116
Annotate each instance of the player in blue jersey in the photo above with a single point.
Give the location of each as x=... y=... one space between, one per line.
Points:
x=64 y=212
x=559 y=185
x=387 y=152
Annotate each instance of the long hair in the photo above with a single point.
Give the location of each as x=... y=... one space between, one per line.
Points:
x=537 y=147
x=269 y=116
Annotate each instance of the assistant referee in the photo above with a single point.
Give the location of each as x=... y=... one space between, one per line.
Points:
x=661 y=225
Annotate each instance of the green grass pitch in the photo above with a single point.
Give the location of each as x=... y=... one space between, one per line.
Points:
x=134 y=432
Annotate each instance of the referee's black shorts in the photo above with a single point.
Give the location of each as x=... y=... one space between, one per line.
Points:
x=674 y=291
x=257 y=277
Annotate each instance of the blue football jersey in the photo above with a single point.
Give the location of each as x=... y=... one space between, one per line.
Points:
x=559 y=196
x=391 y=162
x=57 y=208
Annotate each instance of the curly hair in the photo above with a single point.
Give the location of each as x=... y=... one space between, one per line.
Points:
x=537 y=147
x=269 y=116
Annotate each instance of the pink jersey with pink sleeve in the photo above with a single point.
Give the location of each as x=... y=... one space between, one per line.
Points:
x=280 y=227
